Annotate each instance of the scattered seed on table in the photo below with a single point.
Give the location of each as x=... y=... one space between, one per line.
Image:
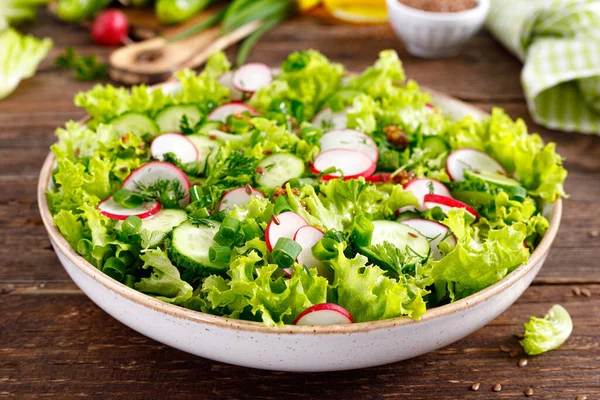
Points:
x=519 y=336
x=504 y=349
x=497 y=387
x=581 y=397
x=528 y=392
x=522 y=362
x=586 y=292
x=514 y=353
x=576 y=291
x=593 y=234
x=475 y=386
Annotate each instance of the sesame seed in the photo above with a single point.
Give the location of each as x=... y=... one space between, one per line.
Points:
x=522 y=362
x=519 y=336
x=514 y=353
x=593 y=234
x=528 y=392
x=577 y=291
x=248 y=189
x=504 y=349
x=276 y=220
x=475 y=386
x=581 y=397
x=586 y=292
x=497 y=387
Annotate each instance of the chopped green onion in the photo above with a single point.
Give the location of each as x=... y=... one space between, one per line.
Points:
x=114 y=268
x=230 y=227
x=131 y=225
x=128 y=199
x=239 y=125
x=196 y=193
x=84 y=247
x=200 y=213
x=285 y=252
x=251 y=229
x=129 y=281
x=126 y=257
x=281 y=205
x=219 y=254
x=300 y=182
x=335 y=235
x=362 y=231
x=325 y=249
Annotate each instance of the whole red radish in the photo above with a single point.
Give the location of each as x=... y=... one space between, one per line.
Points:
x=110 y=28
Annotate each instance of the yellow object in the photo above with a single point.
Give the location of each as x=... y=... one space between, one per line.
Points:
x=358 y=11
x=306 y=5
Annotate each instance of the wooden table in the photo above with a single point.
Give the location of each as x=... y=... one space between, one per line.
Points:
x=56 y=343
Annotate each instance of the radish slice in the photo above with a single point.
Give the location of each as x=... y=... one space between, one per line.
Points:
x=380 y=178
x=421 y=187
x=460 y=160
x=251 y=77
x=324 y=314
x=283 y=225
x=222 y=112
x=351 y=163
x=238 y=197
x=349 y=139
x=434 y=232
x=151 y=172
x=174 y=143
x=225 y=80
x=307 y=236
x=446 y=204
x=328 y=120
x=113 y=210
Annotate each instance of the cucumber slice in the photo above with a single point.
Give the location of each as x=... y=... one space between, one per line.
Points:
x=190 y=244
x=207 y=148
x=208 y=126
x=436 y=145
x=279 y=168
x=155 y=229
x=136 y=123
x=169 y=118
x=401 y=236
x=511 y=186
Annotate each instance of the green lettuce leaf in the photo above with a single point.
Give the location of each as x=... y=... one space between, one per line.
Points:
x=70 y=226
x=379 y=80
x=369 y=294
x=105 y=103
x=548 y=333
x=164 y=282
x=306 y=76
x=17 y=11
x=260 y=291
x=339 y=201
x=362 y=116
x=472 y=265
x=19 y=58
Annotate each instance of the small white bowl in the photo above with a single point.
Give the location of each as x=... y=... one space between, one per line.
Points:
x=429 y=34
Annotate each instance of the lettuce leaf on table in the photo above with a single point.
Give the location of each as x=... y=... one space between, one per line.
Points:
x=548 y=333
x=19 y=58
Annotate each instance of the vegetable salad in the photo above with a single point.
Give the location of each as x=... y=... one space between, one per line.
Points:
x=307 y=196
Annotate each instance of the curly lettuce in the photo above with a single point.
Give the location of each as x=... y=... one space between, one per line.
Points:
x=164 y=282
x=20 y=56
x=548 y=333
x=306 y=76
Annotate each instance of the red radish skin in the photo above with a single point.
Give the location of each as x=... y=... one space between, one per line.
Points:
x=434 y=231
x=150 y=172
x=460 y=160
x=113 y=210
x=249 y=78
x=238 y=197
x=324 y=314
x=222 y=112
x=307 y=236
x=447 y=203
x=349 y=139
x=379 y=178
x=420 y=187
x=225 y=80
x=352 y=163
x=283 y=225
x=328 y=120
x=174 y=143
x=110 y=28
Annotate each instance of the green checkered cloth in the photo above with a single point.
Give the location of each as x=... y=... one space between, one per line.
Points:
x=559 y=42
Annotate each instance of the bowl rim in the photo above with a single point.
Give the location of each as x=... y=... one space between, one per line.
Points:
x=481 y=8
x=174 y=311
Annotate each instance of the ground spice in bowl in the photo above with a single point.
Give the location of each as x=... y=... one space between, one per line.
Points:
x=441 y=5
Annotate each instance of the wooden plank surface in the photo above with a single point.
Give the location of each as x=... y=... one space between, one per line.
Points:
x=55 y=343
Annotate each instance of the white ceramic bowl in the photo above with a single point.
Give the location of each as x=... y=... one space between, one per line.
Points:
x=432 y=34
x=298 y=348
